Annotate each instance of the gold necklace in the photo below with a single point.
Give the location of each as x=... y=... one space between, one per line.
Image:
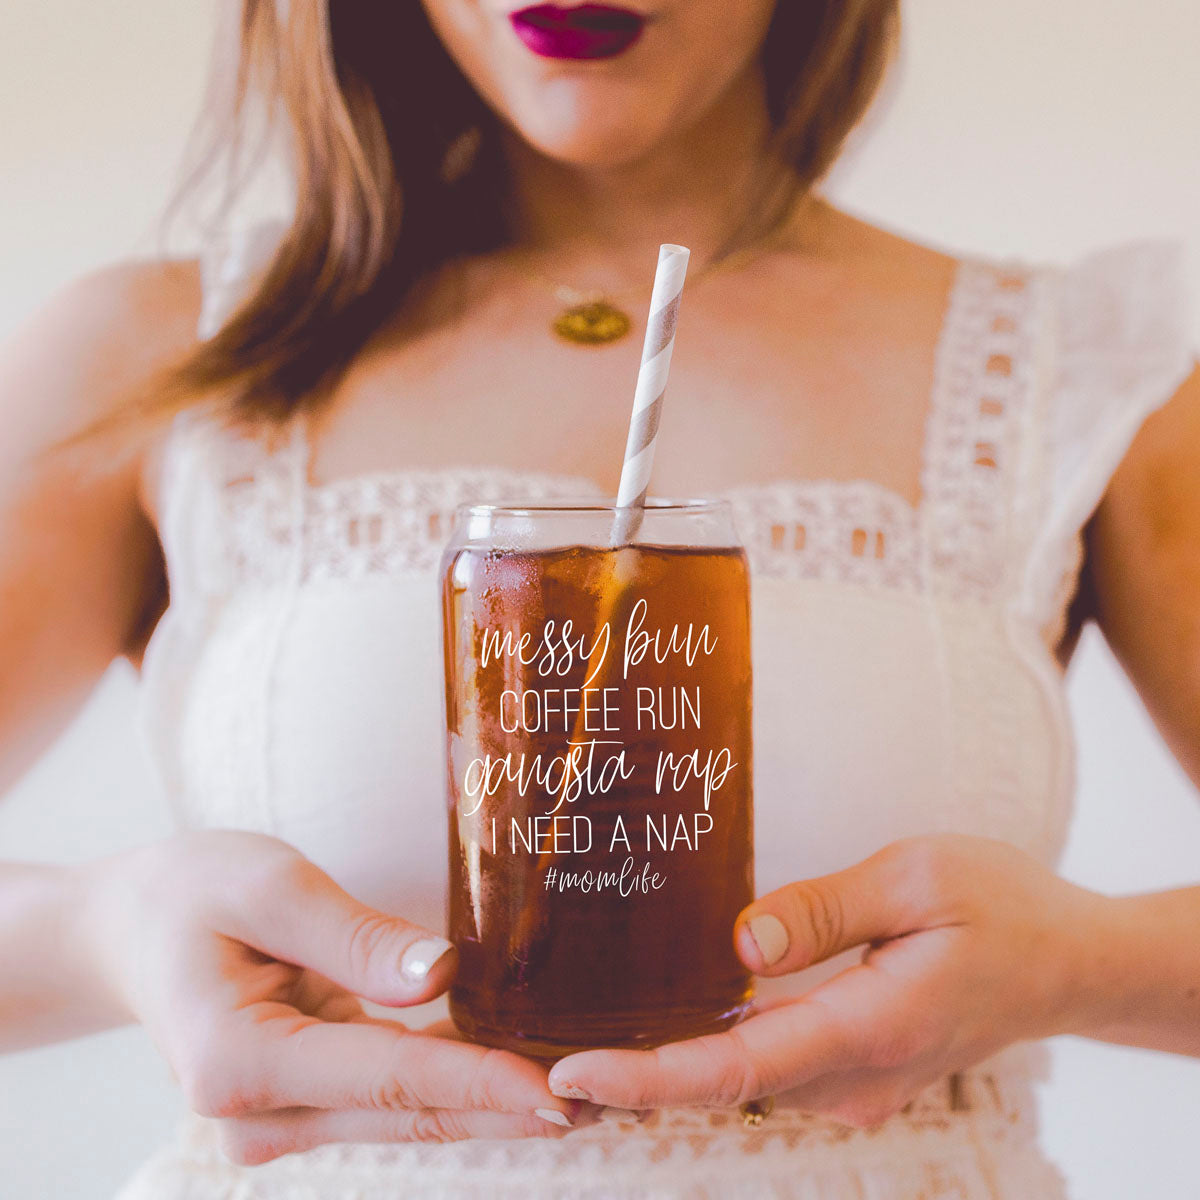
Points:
x=596 y=319
x=592 y=320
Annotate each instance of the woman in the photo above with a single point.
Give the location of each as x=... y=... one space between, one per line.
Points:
x=942 y=469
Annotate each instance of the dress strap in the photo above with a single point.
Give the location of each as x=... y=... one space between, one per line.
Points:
x=984 y=391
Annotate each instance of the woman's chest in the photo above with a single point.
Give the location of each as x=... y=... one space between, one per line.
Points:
x=788 y=386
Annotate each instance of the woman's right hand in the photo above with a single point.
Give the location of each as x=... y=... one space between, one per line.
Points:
x=243 y=960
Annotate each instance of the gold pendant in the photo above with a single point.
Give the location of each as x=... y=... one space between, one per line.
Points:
x=593 y=324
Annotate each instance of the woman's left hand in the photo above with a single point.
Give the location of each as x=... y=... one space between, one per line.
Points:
x=971 y=944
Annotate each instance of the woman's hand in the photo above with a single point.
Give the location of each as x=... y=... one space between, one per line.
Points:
x=971 y=944
x=244 y=961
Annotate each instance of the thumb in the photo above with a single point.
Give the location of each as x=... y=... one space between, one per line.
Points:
x=300 y=916
x=805 y=922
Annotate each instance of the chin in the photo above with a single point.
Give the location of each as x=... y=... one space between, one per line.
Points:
x=595 y=129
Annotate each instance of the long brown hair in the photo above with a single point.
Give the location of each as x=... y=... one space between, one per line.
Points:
x=375 y=109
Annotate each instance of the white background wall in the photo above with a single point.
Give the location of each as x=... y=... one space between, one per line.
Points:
x=1024 y=127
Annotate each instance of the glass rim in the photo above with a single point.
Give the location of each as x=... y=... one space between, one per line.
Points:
x=591 y=506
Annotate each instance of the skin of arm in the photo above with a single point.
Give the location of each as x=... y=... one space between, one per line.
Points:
x=1143 y=558
x=79 y=570
x=79 y=557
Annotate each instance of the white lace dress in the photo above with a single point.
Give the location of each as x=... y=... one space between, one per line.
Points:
x=904 y=683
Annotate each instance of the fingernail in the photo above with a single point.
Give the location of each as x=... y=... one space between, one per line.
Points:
x=770 y=935
x=422 y=956
x=554 y=1117
x=625 y=1116
x=569 y=1091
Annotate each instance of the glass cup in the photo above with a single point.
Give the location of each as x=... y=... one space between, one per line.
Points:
x=599 y=759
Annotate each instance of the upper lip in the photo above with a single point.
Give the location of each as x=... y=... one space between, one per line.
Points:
x=577 y=14
x=568 y=6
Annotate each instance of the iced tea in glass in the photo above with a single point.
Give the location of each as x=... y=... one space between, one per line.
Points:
x=599 y=762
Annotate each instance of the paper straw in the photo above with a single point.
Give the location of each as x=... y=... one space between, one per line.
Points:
x=650 y=389
x=523 y=943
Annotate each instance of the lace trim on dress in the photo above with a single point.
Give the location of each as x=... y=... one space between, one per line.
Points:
x=982 y=395
x=375 y=525
x=855 y=531
x=852 y=531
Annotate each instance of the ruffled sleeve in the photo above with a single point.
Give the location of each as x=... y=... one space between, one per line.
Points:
x=1119 y=348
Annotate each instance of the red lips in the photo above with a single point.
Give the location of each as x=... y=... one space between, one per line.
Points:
x=589 y=31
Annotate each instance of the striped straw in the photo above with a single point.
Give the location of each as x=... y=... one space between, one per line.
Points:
x=651 y=386
x=525 y=932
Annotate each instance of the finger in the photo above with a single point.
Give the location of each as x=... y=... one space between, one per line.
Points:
x=763 y=1055
x=862 y=1098
x=444 y=1028
x=360 y=1065
x=254 y=1140
x=894 y=892
x=293 y=911
x=316 y=996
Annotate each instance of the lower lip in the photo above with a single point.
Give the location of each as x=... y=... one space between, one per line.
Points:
x=589 y=32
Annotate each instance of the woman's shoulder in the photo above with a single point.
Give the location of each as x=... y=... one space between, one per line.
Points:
x=85 y=352
x=1129 y=334
x=159 y=299
x=74 y=502
x=1118 y=412
x=1119 y=339
x=1104 y=340
x=1125 y=307
x=1116 y=320
x=888 y=260
x=1147 y=275
x=86 y=355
